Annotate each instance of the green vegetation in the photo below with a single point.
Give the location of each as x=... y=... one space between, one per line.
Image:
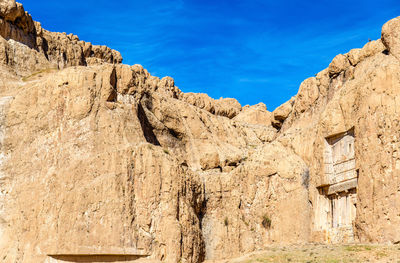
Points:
x=266 y=222
x=47 y=70
x=357 y=248
x=226 y=222
x=244 y=221
x=325 y=254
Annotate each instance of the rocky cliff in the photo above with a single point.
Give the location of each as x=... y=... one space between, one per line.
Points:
x=102 y=162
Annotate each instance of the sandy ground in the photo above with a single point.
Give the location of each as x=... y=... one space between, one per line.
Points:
x=322 y=254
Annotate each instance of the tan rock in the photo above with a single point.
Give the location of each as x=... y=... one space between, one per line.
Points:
x=101 y=161
x=359 y=54
x=226 y=107
x=6 y=7
x=354 y=56
x=256 y=114
x=372 y=48
x=252 y=206
x=339 y=122
x=58 y=49
x=391 y=37
x=307 y=95
x=338 y=64
x=282 y=113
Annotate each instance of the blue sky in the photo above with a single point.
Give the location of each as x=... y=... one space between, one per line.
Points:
x=251 y=50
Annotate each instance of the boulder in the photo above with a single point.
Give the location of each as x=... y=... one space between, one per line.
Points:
x=391 y=36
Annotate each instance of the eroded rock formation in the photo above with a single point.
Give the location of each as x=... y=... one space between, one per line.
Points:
x=102 y=161
x=27 y=47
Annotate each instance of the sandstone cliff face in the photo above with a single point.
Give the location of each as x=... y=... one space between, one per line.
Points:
x=101 y=161
x=26 y=47
x=359 y=92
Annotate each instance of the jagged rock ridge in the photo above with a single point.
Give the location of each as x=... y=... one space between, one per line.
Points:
x=26 y=46
x=102 y=161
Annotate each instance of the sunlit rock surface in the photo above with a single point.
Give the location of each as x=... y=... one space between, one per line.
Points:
x=101 y=161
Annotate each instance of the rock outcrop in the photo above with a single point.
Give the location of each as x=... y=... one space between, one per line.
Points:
x=27 y=47
x=356 y=102
x=391 y=37
x=103 y=162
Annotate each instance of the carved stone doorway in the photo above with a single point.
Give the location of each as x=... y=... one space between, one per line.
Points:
x=337 y=200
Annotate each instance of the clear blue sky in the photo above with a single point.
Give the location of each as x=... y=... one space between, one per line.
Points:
x=252 y=50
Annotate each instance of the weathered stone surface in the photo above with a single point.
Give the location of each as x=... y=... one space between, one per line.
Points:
x=7 y=7
x=119 y=181
x=252 y=205
x=227 y=107
x=357 y=101
x=391 y=36
x=102 y=161
x=125 y=135
x=282 y=113
x=44 y=49
x=256 y=114
x=370 y=49
x=338 y=64
x=307 y=95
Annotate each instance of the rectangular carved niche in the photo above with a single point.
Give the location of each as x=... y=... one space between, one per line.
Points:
x=337 y=199
x=76 y=258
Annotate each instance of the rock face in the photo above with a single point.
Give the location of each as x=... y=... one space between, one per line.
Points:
x=103 y=162
x=391 y=37
x=25 y=46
